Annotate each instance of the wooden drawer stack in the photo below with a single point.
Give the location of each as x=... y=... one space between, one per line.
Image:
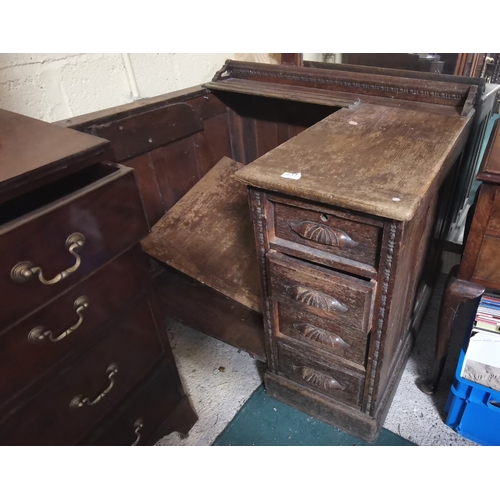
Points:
x=347 y=227
x=321 y=271
x=80 y=337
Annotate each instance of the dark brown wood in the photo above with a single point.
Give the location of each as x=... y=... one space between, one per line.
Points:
x=55 y=152
x=292 y=59
x=109 y=214
x=149 y=188
x=406 y=61
x=354 y=83
x=151 y=405
x=213 y=143
x=142 y=133
x=107 y=291
x=285 y=92
x=210 y=312
x=48 y=418
x=457 y=292
x=57 y=337
x=176 y=182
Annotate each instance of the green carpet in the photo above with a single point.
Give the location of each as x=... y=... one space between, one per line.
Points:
x=263 y=421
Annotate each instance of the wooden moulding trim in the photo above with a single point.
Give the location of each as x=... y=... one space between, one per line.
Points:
x=438 y=92
x=83 y=122
x=284 y=92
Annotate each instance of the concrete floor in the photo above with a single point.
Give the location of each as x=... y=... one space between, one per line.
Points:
x=219 y=379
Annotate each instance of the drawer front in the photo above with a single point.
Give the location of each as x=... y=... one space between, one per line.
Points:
x=67 y=324
x=321 y=333
x=331 y=295
x=135 y=422
x=66 y=409
x=322 y=376
x=329 y=233
x=66 y=240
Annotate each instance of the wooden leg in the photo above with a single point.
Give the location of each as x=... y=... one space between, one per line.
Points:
x=456 y=293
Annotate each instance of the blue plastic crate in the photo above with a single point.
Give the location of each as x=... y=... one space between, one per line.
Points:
x=473 y=409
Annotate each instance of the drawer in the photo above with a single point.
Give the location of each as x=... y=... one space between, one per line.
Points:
x=31 y=348
x=345 y=299
x=63 y=239
x=324 y=334
x=321 y=375
x=84 y=393
x=324 y=231
x=136 y=421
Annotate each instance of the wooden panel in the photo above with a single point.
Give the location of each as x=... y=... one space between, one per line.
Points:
x=213 y=143
x=326 y=231
x=108 y=213
x=210 y=312
x=208 y=235
x=286 y=92
x=53 y=153
x=148 y=186
x=487 y=270
x=322 y=376
x=141 y=133
x=106 y=291
x=365 y=84
x=49 y=419
x=176 y=169
x=322 y=334
x=207 y=106
x=331 y=295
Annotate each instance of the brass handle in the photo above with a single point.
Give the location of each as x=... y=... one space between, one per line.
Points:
x=138 y=425
x=23 y=271
x=79 y=401
x=39 y=333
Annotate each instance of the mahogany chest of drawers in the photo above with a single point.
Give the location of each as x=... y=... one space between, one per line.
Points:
x=84 y=358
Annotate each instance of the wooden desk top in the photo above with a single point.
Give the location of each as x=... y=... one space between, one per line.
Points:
x=376 y=159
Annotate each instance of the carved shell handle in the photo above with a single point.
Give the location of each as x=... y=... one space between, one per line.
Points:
x=320 y=336
x=316 y=299
x=323 y=234
x=23 y=271
x=320 y=379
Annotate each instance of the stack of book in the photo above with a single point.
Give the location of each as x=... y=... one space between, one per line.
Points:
x=488 y=313
x=482 y=358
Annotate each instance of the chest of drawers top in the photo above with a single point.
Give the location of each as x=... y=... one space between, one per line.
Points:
x=34 y=153
x=379 y=160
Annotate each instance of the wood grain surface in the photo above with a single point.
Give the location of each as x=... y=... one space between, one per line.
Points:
x=208 y=235
x=344 y=157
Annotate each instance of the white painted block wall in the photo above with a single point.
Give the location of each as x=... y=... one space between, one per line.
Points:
x=53 y=87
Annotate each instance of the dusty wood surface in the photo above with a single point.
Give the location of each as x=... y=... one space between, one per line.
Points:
x=208 y=235
x=374 y=159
